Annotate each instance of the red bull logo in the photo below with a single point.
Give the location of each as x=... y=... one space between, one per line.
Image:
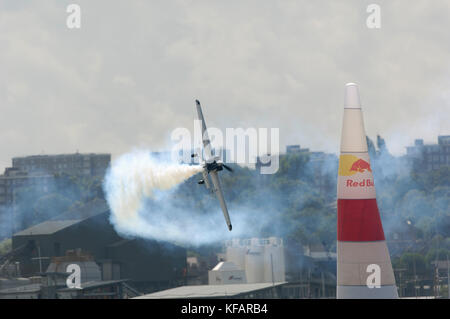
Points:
x=350 y=165
x=363 y=183
x=360 y=166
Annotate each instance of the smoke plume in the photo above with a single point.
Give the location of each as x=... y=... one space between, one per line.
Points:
x=154 y=198
x=135 y=178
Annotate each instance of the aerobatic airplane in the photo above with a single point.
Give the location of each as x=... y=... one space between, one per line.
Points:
x=211 y=166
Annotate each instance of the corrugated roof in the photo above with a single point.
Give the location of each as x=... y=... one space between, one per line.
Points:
x=208 y=291
x=47 y=228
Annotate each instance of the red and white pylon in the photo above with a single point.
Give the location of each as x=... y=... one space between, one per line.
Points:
x=364 y=268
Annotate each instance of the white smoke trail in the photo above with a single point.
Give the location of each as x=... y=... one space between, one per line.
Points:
x=140 y=192
x=134 y=177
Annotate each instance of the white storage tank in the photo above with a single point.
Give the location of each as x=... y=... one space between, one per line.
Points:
x=274 y=264
x=254 y=262
x=235 y=252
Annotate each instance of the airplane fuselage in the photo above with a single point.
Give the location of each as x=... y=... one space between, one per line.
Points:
x=213 y=167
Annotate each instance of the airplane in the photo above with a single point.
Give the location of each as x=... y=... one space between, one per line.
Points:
x=211 y=166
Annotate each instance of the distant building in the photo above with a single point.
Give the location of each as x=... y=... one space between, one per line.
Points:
x=292 y=149
x=427 y=157
x=14 y=178
x=71 y=164
x=39 y=171
x=38 y=174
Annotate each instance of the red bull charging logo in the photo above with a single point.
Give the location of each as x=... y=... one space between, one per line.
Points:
x=360 y=166
x=350 y=165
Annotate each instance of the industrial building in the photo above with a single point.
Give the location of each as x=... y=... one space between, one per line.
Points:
x=147 y=265
x=262 y=259
x=262 y=268
x=309 y=271
x=52 y=284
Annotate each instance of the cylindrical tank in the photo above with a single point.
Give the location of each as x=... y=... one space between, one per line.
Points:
x=274 y=265
x=236 y=253
x=254 y=262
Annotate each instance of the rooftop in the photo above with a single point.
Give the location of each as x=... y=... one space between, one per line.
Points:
x=47 y=228
x=90 y=209
x=66 y=219
x=208 y=291
x=59 y=155
x=32 y=288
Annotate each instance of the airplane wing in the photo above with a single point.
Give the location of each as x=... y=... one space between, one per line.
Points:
x=206 y=179
x=205 y=137
x=219 y=194
x=212 y=172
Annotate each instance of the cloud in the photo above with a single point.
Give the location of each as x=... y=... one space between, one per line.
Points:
x=130 y=75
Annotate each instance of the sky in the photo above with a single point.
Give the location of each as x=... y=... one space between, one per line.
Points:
x=130 y=75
